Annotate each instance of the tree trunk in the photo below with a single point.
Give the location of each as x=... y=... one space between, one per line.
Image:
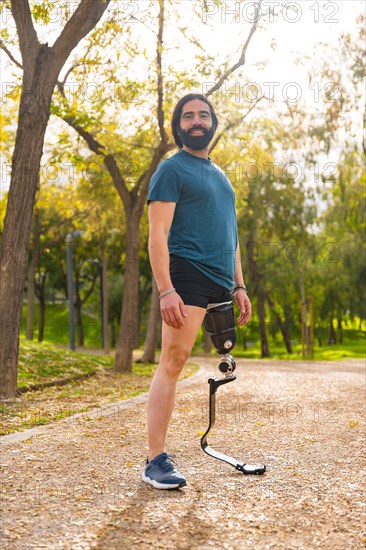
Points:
x=285 y=334
x=42 y=305
x=331 y=334
x=150 y=341
x=42 y=312
x=32 y=124
x=281 y=324
x=340 y=330
x=79 y=320
x=260 y=295
x=128 y=331
x=319 y=335
x=104 y=294
x=262 y=325
x=31 y=278
x=31 y=273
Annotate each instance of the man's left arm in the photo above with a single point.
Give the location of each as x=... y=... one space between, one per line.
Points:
x=241 y=297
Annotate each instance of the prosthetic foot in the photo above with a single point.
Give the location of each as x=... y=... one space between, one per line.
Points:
x=220 y=325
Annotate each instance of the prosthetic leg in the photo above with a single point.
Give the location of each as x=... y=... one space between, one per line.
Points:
x=220 y=325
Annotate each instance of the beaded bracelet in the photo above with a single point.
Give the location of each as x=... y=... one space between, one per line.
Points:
x=166 y=293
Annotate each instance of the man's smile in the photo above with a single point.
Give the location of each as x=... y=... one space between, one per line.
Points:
x=196 y=132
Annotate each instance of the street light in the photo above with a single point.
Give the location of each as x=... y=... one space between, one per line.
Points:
x=70 y=284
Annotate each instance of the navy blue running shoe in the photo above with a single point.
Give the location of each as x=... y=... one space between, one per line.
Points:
x=161 y=474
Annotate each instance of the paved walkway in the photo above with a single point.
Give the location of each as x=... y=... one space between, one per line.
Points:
x=75 y=485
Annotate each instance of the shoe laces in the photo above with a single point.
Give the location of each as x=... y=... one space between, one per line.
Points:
x=166 y=462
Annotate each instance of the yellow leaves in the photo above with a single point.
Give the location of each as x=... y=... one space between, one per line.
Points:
x=353 y=423
x=200 y=433
x=42 y=11
x=309 y=439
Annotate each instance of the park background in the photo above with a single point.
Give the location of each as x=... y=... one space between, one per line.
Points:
x=287 y=82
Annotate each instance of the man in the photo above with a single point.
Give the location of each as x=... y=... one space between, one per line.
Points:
x=195 y=258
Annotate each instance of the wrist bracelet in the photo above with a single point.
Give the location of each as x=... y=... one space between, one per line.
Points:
x=238 y=287
x=166 y=293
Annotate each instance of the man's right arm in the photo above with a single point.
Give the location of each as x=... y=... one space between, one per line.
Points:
x=160 y=220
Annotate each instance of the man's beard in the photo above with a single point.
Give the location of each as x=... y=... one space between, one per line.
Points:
x=196 y=143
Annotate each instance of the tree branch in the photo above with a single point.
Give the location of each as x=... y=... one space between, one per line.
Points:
x=241 y=60
x=96 y=147
x=28 y=39
x=9 y=54
x=83 y=20
x=233 y=124
x=73 y=66
x=159 y=51
x=91 y=288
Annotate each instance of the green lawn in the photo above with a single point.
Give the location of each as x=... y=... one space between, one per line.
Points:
x=353 y=345
x=44 y=362
x=56 y=330
x=331 y=352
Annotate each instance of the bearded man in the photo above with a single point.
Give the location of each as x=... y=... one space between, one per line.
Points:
x=195 y=257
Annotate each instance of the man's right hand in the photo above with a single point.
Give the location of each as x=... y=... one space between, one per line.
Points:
x=173 y=310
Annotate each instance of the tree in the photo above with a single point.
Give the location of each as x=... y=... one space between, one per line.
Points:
x=41 y=65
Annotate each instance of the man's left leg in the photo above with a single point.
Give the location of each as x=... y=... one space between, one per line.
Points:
x=176 y=347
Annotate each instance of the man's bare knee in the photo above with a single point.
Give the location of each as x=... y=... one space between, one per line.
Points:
x=175 y=360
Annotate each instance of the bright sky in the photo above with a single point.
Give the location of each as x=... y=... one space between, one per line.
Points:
x=295 y=27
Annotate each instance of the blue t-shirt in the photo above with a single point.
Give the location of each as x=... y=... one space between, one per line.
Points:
x=204 y=229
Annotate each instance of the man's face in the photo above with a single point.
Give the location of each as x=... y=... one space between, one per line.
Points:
x=196 y=130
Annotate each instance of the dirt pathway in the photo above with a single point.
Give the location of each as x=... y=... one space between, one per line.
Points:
x=76 y=484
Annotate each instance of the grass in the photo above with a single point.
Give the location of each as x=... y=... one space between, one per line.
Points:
x=353 y=345
x=56 y=330
x=45 y=362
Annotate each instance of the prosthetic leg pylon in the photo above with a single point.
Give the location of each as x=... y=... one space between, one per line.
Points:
x=220 y=325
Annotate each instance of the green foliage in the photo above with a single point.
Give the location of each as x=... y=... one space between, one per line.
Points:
x=41 y=11
x=57 y=325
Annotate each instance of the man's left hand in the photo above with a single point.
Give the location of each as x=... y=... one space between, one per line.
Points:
x=245 y=307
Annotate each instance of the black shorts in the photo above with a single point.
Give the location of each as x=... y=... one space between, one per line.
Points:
x=194 y=287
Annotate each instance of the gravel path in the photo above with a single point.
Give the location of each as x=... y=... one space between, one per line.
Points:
x=76 y=484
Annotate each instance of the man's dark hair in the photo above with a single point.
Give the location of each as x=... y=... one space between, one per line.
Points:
x=178 y=111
